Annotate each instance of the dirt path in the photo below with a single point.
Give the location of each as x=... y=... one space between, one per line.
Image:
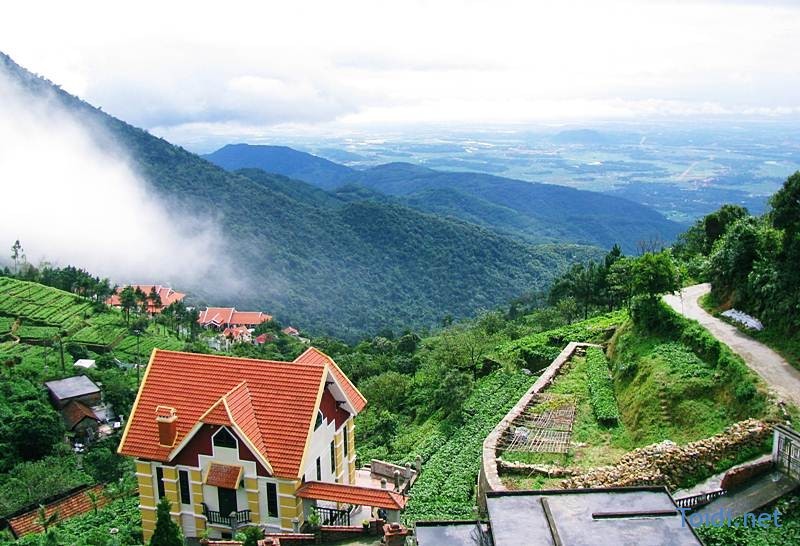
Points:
x=779 y=375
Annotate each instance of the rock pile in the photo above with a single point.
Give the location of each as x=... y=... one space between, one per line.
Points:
x=669 y=464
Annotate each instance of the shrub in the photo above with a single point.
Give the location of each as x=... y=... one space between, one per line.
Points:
x=601 y=388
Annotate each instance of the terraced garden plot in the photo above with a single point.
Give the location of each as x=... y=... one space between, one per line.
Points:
x=41 y=304
x=36 y=333
x=545 y=426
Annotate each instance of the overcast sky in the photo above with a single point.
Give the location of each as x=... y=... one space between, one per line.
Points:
x=192 y=70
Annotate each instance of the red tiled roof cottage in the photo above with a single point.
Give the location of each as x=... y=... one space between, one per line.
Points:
x=219 y=434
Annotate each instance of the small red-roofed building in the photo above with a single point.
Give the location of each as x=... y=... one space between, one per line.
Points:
x=263 y=338
x=238 y=334
x=228 y=317
x=166 y=296
x=232 y=441
x=291 y=331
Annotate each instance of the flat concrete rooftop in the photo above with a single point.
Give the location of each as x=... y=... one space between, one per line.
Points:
x=597 y=517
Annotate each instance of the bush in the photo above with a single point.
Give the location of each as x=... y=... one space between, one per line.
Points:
x=601 y=388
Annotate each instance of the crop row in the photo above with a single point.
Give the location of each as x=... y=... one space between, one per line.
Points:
x=147 y=342
x=36 y=332
x=446 y=487
x=601 y=387
x=99 y=334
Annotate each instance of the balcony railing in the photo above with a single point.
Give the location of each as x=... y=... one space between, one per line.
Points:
x=332 y=516
x=217 y=518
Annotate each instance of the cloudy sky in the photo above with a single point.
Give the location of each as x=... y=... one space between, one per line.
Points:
x=190 y=71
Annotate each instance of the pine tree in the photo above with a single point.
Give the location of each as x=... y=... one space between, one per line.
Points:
x=167 y=532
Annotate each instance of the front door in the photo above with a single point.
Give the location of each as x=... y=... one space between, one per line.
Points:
x=227 y=501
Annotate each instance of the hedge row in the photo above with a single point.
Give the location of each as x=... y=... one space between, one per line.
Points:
x=601 y=387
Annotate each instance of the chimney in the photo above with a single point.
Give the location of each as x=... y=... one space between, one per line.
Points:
x=167 y=418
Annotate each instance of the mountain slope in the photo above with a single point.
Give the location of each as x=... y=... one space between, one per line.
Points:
x=328 y=265
x=281 y=160
x=533 y=212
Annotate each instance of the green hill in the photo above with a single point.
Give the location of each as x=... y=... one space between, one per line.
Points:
x=343 y=269
x=282 y=160
x=535 y=213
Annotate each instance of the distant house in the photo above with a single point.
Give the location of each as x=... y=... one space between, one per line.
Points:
x=291 y=331
x=238 y=334
x=228 y=317
x=78 y=388
x=80 y=419
x=79 y=401
x=263 y=338
x=167 y=295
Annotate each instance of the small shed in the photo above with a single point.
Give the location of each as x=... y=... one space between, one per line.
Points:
x=85 y=363
x=79 y=388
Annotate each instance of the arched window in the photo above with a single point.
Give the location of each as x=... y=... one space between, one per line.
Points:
x=223 y=438
x=319 y=420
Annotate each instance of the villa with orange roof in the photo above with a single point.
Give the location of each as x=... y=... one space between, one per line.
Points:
x=233 y=442
x=229 y=317
x=167 y=295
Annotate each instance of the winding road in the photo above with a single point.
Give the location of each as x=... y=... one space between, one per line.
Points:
x=778 y=374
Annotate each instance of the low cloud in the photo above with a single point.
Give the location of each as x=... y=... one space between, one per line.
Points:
x=71 y=198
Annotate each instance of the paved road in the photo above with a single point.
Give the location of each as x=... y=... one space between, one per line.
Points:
x=773 y=369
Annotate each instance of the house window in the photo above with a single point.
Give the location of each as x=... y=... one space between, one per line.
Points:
x=318 y=423
x=319 y=469
x=223 y=438
x=346 y=441
x=160 y=481
x=333 y=457
x=183 y=483
x=272 y=500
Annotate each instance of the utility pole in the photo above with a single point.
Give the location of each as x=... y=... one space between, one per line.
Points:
x=138 y=333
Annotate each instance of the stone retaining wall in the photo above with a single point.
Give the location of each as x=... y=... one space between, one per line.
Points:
x=669 y=464
x=488 y=477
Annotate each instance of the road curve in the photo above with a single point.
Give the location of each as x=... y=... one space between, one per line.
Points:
x=778 y=374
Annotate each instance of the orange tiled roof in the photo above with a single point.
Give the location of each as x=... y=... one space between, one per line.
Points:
x=217 y=315
x=352 y=494
x=272 y=403
x=224 y=475
x=72 y=505
x=229 y=315
x=75 y=412
x=167 y=295
x=250 y=318
x=315 y=356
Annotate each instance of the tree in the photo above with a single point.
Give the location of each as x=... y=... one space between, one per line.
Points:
x=127 y=301
x=785 y=213
x=716 y=224
x=37 y=428
x=17 y=254
x=167 y=532
x=154 y=299
x=653 y=275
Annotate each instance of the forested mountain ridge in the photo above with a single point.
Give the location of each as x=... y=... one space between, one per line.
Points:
x=532 y=212
x=344 y=270
x=282 y=160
